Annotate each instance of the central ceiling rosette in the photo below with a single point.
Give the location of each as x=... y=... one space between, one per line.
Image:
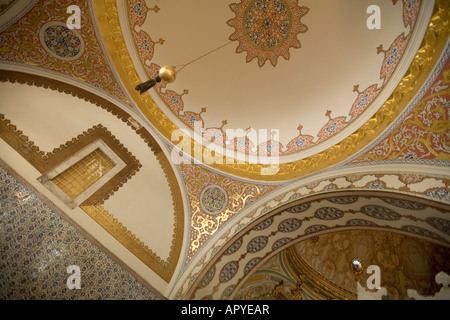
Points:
x=267 y=29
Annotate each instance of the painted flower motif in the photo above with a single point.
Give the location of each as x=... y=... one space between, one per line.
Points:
x=216 y=134
x=241 y=143
x=410 y=178
x=441 y=194
x=144 y=45
x=410 y=155
x=411 y=3
x=62 y=41
x=275 y=25
x=174 y=100
x=388 y=260
x=137 y=8
x=267 y=29
x=137 y=12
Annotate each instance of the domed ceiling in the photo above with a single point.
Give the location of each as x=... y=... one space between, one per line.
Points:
x=270 y=80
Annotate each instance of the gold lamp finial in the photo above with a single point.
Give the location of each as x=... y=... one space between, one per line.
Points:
x=166 y=74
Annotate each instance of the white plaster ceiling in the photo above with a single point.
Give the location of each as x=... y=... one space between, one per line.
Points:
x=338 y=51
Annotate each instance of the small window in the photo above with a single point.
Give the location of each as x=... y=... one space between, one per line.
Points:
x=83 y=174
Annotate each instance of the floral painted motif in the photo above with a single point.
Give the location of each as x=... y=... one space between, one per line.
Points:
x=137 y=12
x=251 y=264
x=380 y=212
x=146 y=45
x=192 y=119
x=392 y=56
x=410 y=12
x=242 y=144
x=300 y=142
x=257 y=243
x=333 y=126
x=363 y=101
x=41 y=40
x=289 y=225
x=62 y=42
x=38 y=245
x=329 y=213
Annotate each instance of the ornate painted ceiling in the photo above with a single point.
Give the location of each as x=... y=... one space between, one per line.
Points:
x=319 y=266
x=292 y=127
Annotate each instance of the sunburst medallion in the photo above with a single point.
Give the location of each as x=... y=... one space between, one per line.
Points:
x=267 y=29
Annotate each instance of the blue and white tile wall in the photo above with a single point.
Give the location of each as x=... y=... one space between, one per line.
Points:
x=37 y=245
